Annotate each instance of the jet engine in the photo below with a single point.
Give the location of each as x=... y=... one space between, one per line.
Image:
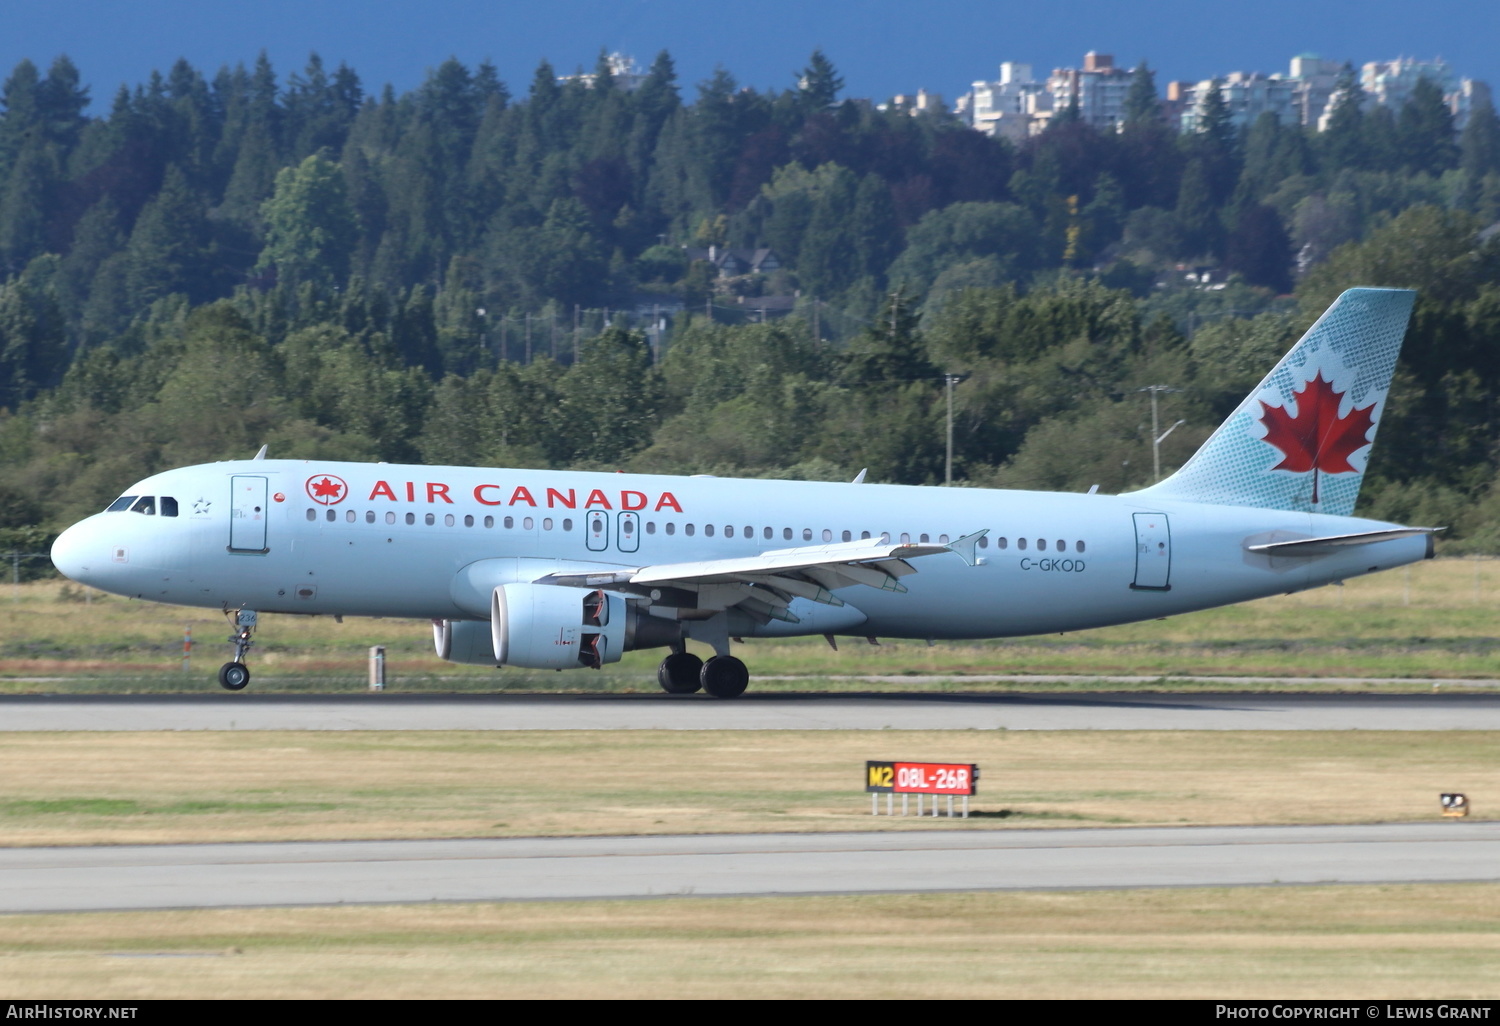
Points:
x=464 y=641
x=549 y=627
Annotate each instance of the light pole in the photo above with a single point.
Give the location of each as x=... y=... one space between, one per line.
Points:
x=1157 y=434
x=949 y=381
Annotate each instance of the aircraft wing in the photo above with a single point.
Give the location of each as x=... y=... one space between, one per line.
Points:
x=764 y=585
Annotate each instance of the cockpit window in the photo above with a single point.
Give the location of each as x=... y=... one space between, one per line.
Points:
x=145 y=504
x=168 y=506
x=121 y=504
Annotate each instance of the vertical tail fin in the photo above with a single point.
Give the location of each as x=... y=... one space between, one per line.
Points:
x=1301 y=439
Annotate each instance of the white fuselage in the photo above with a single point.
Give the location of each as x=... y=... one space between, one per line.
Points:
x=361 y=539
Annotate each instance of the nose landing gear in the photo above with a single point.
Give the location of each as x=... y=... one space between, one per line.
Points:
x=235 y=676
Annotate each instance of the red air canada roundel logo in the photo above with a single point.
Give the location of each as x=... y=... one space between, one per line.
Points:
x=327 y=490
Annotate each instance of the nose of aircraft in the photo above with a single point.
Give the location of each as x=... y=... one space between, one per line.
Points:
x=72 y=554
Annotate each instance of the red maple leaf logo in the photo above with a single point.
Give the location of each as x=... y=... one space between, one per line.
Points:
x=1317 y=438
x=326 y=490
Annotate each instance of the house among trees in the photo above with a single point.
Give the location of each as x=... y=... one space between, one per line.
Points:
x=732 y=263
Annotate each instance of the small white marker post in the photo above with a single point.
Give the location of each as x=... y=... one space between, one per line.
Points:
x=377 y=668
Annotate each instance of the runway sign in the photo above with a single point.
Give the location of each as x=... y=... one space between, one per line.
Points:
x=921 y=778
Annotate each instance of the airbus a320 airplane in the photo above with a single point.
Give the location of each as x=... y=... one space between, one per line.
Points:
x=556 y=570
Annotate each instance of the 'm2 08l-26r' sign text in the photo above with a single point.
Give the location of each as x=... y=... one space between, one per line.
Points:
x=921 y=777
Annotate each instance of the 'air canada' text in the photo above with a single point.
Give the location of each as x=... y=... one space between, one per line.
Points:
x=552 y=498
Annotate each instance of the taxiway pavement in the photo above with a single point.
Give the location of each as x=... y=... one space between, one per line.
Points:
x=322 y=873
x=904 y=711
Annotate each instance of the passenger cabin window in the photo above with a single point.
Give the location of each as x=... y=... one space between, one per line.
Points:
x=168 y=506
x=121 y=504
x=145 y=504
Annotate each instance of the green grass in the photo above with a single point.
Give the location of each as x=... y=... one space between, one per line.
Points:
x=127 y=787
x=1284 y=943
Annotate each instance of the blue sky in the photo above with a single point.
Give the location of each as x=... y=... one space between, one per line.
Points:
x=882 y=47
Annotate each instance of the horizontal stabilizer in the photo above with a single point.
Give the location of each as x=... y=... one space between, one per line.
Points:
x=1328 y=545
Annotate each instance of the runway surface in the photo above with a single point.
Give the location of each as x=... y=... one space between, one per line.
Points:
x=304 y=873
x=908 y=711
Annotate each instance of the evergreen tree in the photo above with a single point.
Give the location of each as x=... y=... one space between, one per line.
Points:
x=826 y=261
x=22 y=114
x=33 y=349
x=167 y=249
x=819 y=83
x=1480 y=143
x=1344 y=140
x=1425 y=130
x=875 y=236
x=1196 y=213
x=24 y=205
x=1142 y=105
x=1260 y=249
x=657 y=99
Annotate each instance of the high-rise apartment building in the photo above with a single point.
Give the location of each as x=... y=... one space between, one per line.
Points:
x=1009 y=107
x=1099 y=88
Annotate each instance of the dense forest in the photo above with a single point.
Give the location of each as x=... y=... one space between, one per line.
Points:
x=465 y=274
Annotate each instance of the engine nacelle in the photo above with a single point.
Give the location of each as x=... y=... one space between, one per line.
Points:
x=548 y=627
x=464 y=641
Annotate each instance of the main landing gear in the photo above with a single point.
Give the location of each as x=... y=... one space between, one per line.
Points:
x=235 y=676
x=683 y=673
